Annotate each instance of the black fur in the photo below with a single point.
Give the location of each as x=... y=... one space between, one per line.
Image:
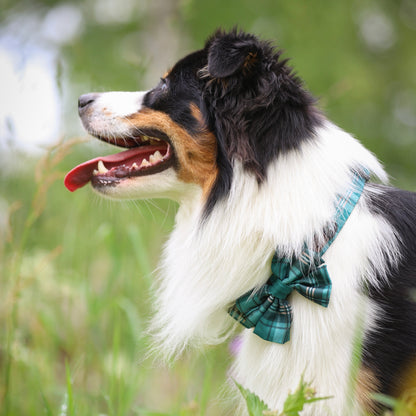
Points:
x=249 y=97
x=261 y=109
x=392 y=347
x=175 y=93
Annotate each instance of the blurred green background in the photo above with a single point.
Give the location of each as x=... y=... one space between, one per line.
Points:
x=75 y=270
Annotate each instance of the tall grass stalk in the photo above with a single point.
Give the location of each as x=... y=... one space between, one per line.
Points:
x=45 y=175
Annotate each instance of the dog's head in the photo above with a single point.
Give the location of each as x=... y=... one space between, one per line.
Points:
x=235 y=100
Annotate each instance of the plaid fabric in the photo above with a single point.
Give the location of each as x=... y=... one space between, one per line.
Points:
x=267 y=309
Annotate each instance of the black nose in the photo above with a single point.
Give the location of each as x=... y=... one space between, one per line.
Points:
x=85 y=100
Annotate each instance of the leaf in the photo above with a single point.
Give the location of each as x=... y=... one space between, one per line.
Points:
x=295 y=402
x=255 y=406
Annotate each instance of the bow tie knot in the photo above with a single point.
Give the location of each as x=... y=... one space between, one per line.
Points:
x=279 y=290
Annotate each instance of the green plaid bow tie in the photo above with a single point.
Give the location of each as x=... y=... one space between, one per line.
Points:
x=267 y=309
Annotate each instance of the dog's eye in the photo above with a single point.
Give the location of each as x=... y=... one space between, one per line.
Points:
x=163 y=83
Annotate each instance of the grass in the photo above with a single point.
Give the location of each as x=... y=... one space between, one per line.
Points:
x=75 y=285
x=75 y=277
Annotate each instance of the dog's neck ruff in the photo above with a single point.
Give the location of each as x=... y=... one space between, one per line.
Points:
x=267 y=308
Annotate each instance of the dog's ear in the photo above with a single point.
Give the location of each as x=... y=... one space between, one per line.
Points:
x=231 y=54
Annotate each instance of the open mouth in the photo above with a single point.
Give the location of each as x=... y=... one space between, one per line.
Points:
x=147 y=154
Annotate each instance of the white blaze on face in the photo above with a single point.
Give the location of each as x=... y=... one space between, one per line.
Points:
x=121 y=104
x=106 y=115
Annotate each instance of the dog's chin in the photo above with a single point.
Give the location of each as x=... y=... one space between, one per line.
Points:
x=164 y=184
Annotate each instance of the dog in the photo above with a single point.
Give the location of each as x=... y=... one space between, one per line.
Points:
x=232 y=135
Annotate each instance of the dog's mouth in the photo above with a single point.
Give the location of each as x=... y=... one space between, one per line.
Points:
x=148 y=153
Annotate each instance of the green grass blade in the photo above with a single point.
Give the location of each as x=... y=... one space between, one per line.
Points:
x=68 y=407
x=47 y=407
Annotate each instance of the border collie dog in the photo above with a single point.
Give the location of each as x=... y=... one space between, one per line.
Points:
x=260 y=175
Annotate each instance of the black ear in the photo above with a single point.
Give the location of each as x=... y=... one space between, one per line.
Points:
x=231 y=53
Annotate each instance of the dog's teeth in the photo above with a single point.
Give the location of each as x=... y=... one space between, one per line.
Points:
x=145 y=163
x=157 y=155
x=95 y=172
x=146 y=138
x=134 y=166
x=101 y=167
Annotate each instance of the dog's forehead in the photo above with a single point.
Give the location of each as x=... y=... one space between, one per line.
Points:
x=190 y=64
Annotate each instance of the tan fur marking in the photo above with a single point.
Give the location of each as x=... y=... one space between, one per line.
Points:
x=196 y=155
x=367 y=384
x=196 y=114
x=250 y=60
x=166 y=74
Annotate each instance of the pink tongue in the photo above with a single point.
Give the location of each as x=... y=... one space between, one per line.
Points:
x=81 y=174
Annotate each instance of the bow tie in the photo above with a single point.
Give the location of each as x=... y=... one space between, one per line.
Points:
x=267 y=308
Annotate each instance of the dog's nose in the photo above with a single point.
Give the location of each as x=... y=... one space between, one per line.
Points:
x=86 y=100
